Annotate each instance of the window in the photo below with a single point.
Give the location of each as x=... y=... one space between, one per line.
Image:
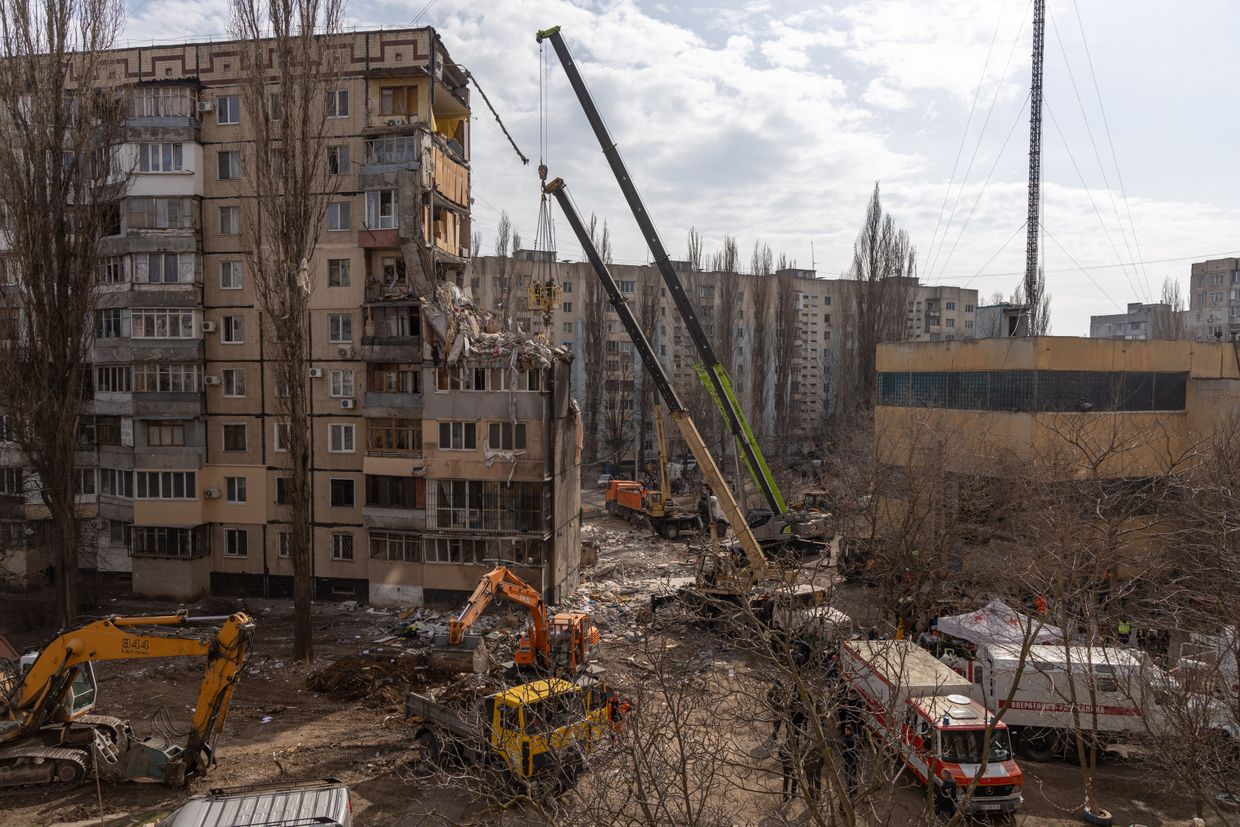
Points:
x=228 y=109
x=275 y=106
x=162 y=102
x=568 y=327
x=166 y=485
x=236 y=542
x=158 y=213
x=1216 y=297
x=160 y=434
x=342 y=383
x=162 y=323
x=342 y=546
x=458 y=436
x=163 y=268
x=85 y=485
x=395 y=492
x=116 y=482
x=394 y=378
x=476 y=505
x=568 y=287
x=113 y=379
x=454 y=550
x=232 y=330
x=396 y=435
x=968 y=308
x=504 y=436
x=338 y=272
x=951 y=322
x=282 y=484
x=568 y=307
x=628 y=286
x=230 y=275
x=968 y=324
x=340 y=439
x=235 y=436
x=111 y=271
x=232 y=382
x=11 y=481
x=113 y=324
x=168 y=378
x=229 y=164
x=338 y=217
x=397 y=546
x=395 y=100
x=283 y=544
x=159 y=157
x=234 y=490
x=342 y=493
x=280 y=436
x=340 y=328
x=119 y=532
x=338 y=159
x=381 y=209
x=230 y=220
x=949 y=305
x=338 y=103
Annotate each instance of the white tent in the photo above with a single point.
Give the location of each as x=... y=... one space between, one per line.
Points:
x=997 y=622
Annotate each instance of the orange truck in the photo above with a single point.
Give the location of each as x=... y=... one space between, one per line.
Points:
x=637 y=503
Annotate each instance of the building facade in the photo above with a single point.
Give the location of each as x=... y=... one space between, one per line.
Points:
x=728 y=311
x=1141 y=322
x=1214 y=300
x=184 y=451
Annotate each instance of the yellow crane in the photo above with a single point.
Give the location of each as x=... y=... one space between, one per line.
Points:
x=47 y=731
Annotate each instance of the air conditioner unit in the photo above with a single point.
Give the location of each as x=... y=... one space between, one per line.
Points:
x=348 y=404
x=211 y=493
x=345 y=352
x=396 y=121
x=206 y=106
x=208 y=327
x=210 y=380
x=316 y=373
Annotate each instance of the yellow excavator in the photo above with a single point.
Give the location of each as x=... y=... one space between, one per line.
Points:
x=48 y=734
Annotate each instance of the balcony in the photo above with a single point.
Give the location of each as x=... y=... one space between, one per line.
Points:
x=392 y=154
x=391 y=348
x=392 y=404
x=388 y=238
x=399 y=519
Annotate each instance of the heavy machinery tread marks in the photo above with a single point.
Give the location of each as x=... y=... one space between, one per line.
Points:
x=71 y=764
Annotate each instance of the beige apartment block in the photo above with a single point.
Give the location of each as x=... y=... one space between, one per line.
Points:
x=935 y=312
x=183 y=444
x=1214 y=300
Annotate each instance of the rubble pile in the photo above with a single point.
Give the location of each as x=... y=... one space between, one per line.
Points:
x=382 y=677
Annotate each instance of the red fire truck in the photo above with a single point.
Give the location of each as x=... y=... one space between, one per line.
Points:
x=924 y=711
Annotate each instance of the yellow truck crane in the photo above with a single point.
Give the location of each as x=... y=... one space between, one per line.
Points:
x=47 y=731
x=777 y=527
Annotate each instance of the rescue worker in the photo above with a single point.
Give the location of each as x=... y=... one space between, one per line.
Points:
x=1124 y=628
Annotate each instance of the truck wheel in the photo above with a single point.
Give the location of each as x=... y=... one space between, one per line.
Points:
x=1041 y=745
x=670 y=531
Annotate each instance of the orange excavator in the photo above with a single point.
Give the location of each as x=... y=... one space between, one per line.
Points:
x=560 y=647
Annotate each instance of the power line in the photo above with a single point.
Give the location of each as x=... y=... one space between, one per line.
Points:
x=421 y=14
x=1194 y=257
x=934 y=255
x=1106 y=183
x=1092 y=281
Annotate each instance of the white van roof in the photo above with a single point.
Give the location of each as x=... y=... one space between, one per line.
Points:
x=317 y=803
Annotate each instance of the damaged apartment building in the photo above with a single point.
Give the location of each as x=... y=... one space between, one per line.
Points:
x=439 y=443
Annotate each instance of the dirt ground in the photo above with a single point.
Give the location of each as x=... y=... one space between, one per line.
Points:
x=280 y=729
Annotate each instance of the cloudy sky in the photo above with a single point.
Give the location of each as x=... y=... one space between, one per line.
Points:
x=772 y=120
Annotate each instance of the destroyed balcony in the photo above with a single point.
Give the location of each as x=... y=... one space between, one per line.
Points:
x=391 y=154
x=392 y=404
x=369 y=239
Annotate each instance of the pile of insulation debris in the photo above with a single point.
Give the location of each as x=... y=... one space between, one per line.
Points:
x=460 y=329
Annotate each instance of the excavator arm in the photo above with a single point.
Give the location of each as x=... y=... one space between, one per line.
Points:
x=39 y=699
x=676 y=409
x=501 y=582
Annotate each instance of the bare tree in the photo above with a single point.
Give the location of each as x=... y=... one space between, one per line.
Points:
x=695 y=257
x=618 y=420
x=787 y=322
x=594 y=344
x=875 y=306
x=1170 y=321
x=288 y=69
x=61 y=180
x=503 y=237
x=760 y=264
x=649 y=301
x=1038 y=310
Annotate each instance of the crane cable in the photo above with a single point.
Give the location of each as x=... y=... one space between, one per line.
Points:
x=545 y=290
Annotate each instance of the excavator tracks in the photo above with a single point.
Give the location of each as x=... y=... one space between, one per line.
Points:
x=31 y=766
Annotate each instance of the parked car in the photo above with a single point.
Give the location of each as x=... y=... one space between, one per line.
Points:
x=320 y=802
x=603 y=481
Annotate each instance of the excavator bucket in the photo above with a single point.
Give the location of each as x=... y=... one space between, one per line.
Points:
x=470 y=655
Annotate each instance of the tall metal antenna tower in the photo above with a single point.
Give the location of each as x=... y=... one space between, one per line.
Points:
x=1032 y=292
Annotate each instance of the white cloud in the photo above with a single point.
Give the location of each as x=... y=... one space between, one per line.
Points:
x=879 y=94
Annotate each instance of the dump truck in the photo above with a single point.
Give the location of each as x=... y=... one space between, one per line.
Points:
x=925 y=713
x=539 y=730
